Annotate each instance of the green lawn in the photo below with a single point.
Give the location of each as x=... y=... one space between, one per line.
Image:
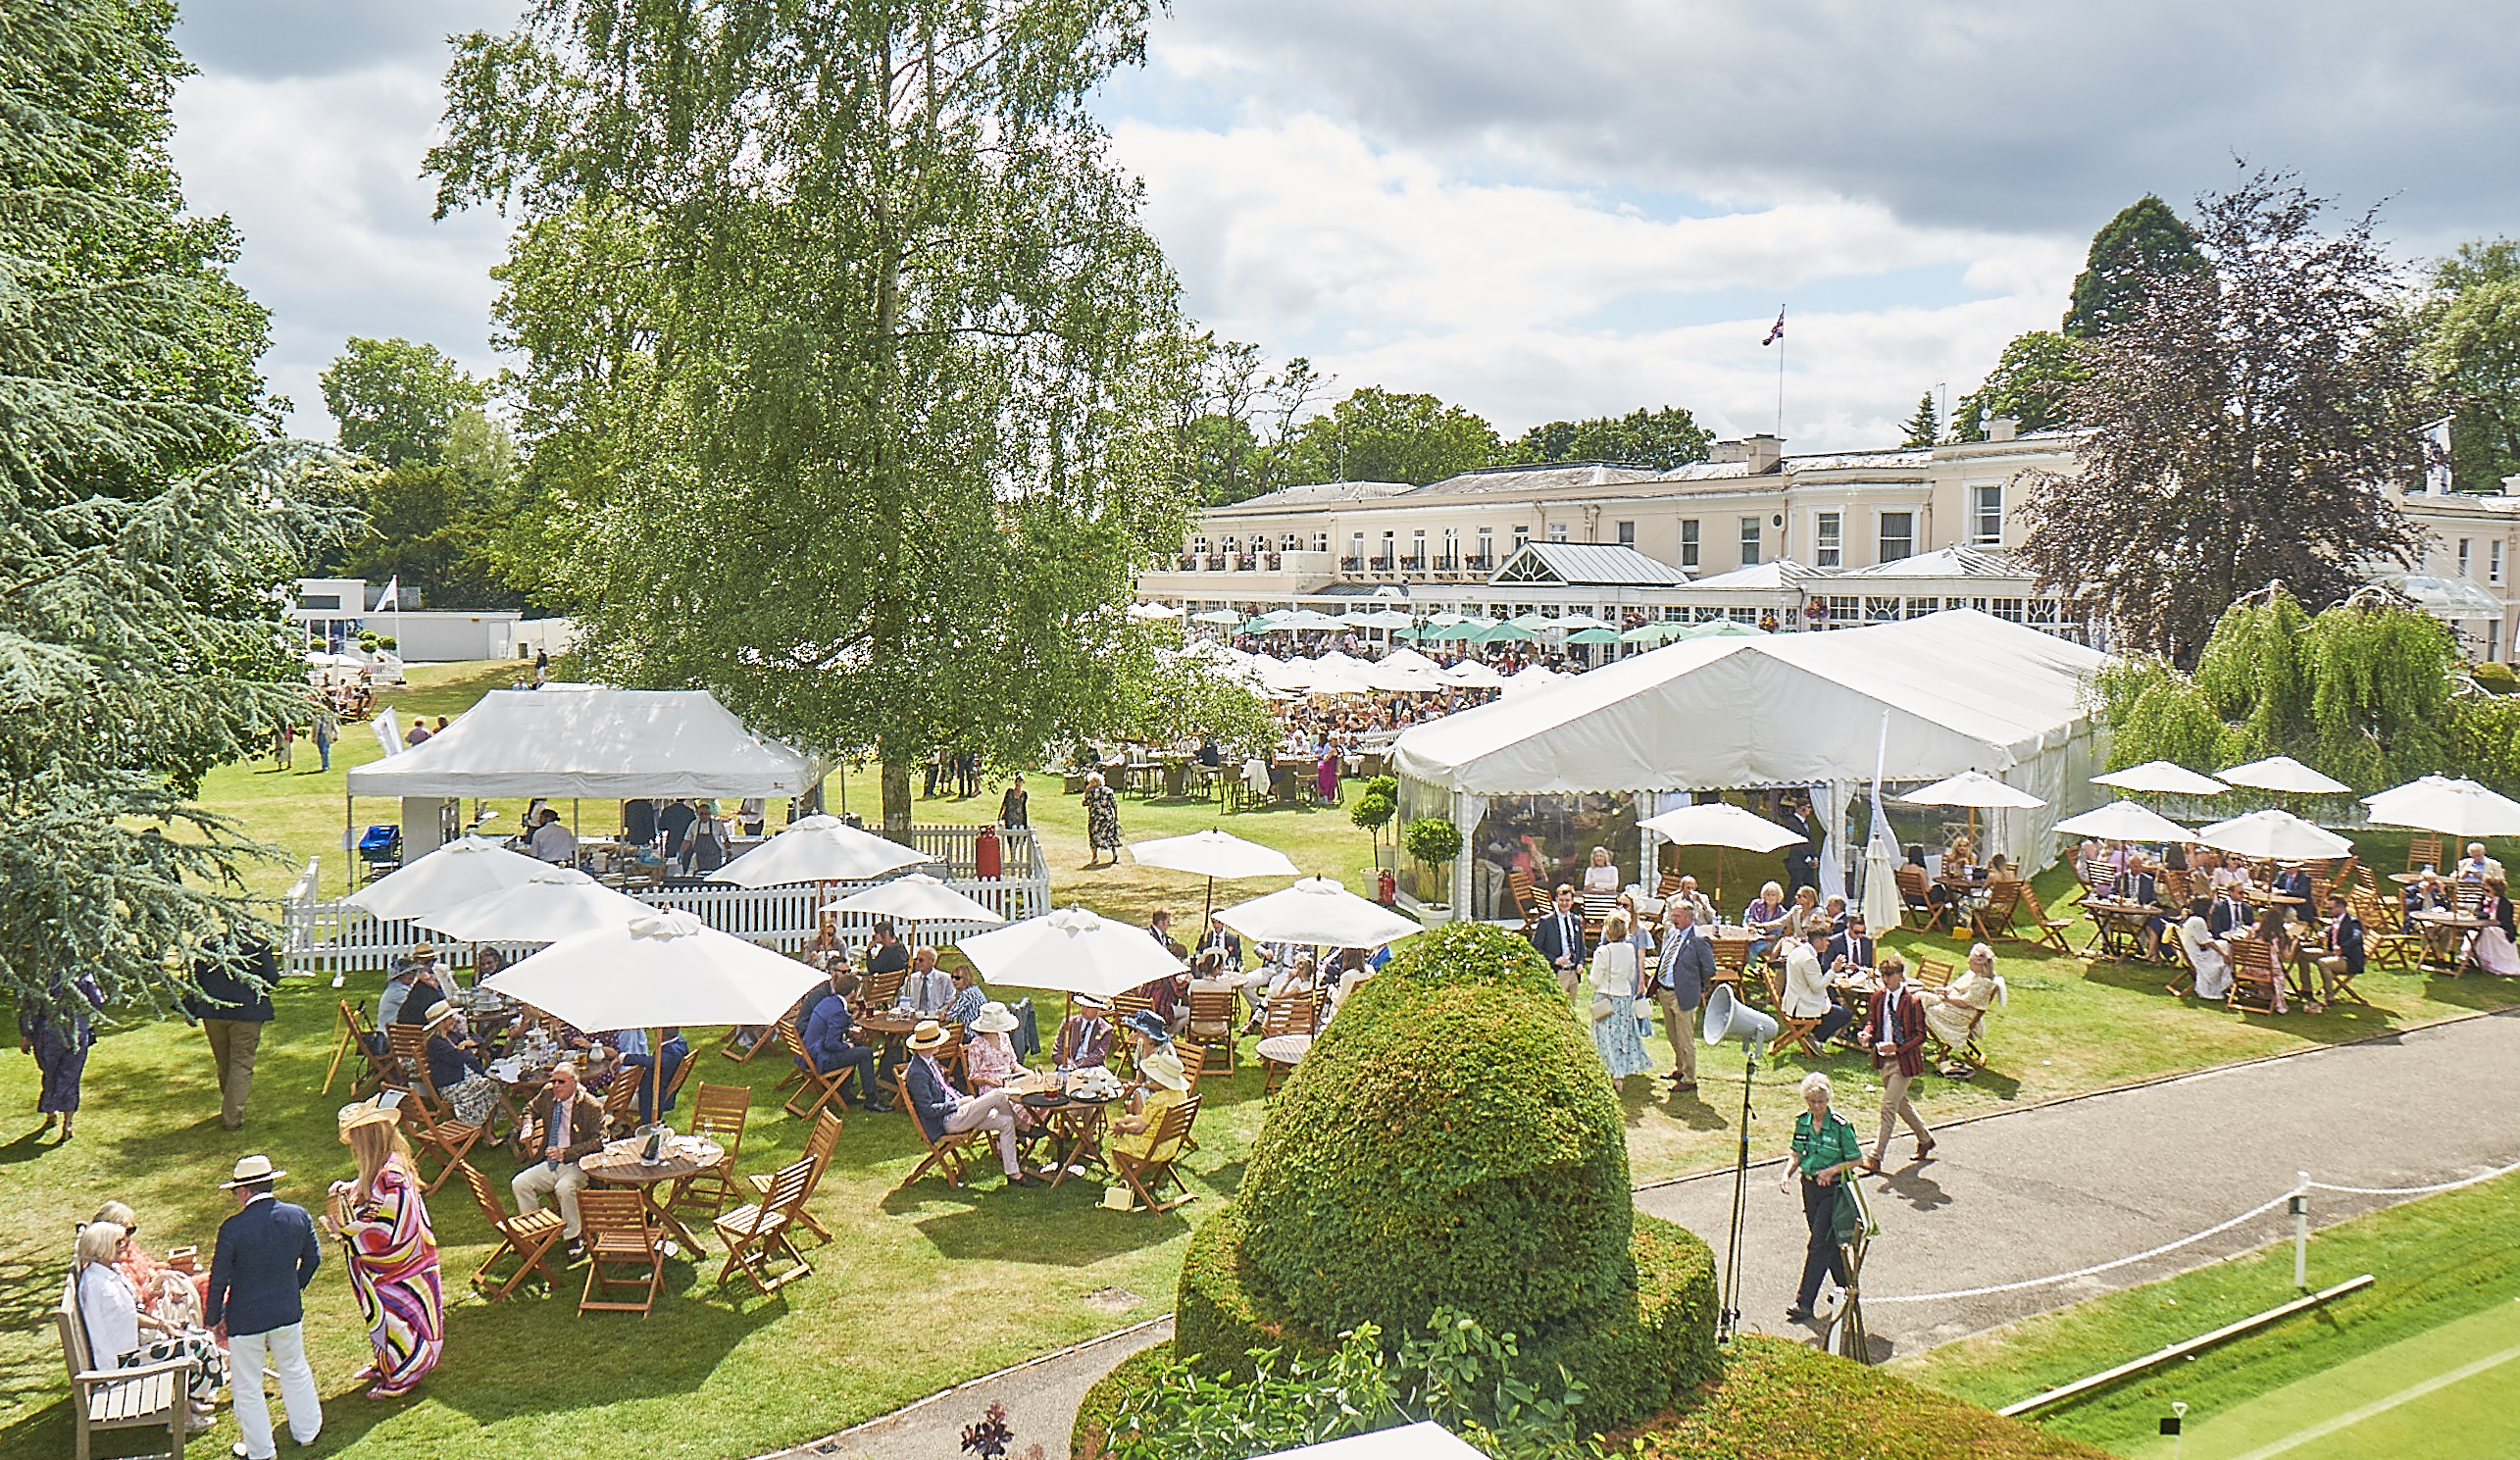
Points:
x=2448 y=1293
x=920 y=1291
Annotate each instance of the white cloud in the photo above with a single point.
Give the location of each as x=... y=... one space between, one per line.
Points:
x=1526 y=302
x=320 y=176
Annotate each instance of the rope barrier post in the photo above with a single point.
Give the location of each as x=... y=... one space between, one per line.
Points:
x=2301 y=1233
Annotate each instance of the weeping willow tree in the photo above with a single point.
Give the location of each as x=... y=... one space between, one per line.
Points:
x=2361 y=691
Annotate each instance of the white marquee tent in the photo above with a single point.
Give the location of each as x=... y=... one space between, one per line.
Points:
x=593 y=743
x=1962 y=691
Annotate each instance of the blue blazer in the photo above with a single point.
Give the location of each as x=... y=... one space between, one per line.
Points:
x=1687 y=966
x=930 y=1100
x=267 y=1254
x=1552 y=939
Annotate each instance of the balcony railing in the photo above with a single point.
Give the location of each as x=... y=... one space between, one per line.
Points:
x=1479 y=562
x=1352 y=565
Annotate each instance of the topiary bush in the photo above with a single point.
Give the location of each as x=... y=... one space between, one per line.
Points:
x=2494 y=677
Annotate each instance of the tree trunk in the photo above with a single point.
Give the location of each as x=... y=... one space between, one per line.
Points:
x=897 y=799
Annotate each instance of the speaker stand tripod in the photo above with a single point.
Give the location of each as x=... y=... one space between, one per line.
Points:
x=1731 y=1318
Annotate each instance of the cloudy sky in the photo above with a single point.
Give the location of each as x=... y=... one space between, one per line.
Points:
x=1536 y=210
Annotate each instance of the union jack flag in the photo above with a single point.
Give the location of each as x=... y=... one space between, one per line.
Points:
x=1777 y=332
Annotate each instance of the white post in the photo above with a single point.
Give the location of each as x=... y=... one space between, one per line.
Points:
x=2301 y=1233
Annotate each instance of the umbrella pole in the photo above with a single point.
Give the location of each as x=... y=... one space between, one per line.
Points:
x=655 y=1073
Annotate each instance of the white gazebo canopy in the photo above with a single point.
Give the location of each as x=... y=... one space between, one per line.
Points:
x=593 y=743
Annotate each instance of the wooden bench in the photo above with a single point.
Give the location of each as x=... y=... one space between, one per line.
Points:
x=147 y=1396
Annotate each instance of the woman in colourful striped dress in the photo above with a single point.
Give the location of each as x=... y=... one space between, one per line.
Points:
x=393 y=1255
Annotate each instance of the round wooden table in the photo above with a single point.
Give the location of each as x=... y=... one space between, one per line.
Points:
x=619 y=1165
x=1076 y=1128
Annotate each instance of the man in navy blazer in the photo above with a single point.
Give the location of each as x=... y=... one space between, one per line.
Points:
x=1852 y=950
x=2341 y=960
x=1687 y=966
x=265 y=1256
x=1559 y=937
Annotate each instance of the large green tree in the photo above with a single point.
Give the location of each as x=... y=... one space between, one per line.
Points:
x=2030 y=384
x=2146 y=242
x=1665 y=438
x=440 y=510
x=145 y=524
x=2241 y=428
x=2471 y=323
x=853 y=382
x=1384 y=436
x=395 y=402
x=1925 y=427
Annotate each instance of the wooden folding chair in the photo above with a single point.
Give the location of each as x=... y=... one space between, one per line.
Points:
x=1933 y=973
x=351 y=1032
x=527 y=1237
x=1214 y=1022
x=621 y=1102
x=452 y=1139
x=817 y=1088
x=2383 y=940
x=1194 y=1058
x=819 y=1147
x=789 y=1024
x=948 y=1155
x=1968 y=1053
x=2089 y=874
x=756 y=1233
x=1917 y=908
x=1597 y=908
x=1791 y=1031
x=1731 y=961
x=2175 y=885
x=1147 y=1176
x=1289 y=1014
x=2423 y=852
x=2050 y=931
x=620 y=1238
x=1994 y=918
x=719 y=1113
x=1526 y=898
x=406 y=1064
x=2254 y=975
x=882 y=991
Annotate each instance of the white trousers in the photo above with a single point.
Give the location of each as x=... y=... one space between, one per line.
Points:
x=541 y=1180
x=994 y=1112
x=287 y=1348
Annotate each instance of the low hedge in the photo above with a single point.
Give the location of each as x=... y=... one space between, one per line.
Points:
x=1102 y=1399
x=1633 y=1353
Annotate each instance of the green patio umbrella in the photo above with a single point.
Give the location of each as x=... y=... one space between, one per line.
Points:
x=1601 y=636
x=1504 y=634
x=1649 y=634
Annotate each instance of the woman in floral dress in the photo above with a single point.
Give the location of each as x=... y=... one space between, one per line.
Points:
x=393 y=1254
x=1102 y=821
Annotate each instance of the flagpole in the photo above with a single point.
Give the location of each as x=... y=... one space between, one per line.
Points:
x=1780 y=378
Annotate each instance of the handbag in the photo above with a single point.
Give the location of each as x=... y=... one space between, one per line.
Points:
x=1602 y=1007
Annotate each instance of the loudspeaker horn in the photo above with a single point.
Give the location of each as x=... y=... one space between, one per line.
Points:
x=1728 y=1018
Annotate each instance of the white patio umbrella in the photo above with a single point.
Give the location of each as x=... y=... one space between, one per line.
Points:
x=1578 y=621
x=2273 y=836
x=1476 y=676
x=1973 y=788
x=1153 y=611
x=1212 y=854
x=818 y=849
x=916 y=899
x=2282 y=773
x=1070 y=950
x=458 y=872
x=2454 y=808
x=1225 y=616
x=2161 y=778
x=1720 y=824
x=1317 y=910
x=2123 y=821
x=1535 y=676
x=664 y=968
x=555 y=903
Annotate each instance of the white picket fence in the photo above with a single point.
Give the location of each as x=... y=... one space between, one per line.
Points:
x=322 y=937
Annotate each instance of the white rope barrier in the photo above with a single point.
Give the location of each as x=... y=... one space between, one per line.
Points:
x=2190 y=1239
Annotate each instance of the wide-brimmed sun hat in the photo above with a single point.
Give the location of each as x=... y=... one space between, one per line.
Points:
x=1150 y=1024
x=364 y=1113
x=1165 y=1068
x=929 y=1034
x=438 y=1013
x=251 y=1169
x=993 y=1018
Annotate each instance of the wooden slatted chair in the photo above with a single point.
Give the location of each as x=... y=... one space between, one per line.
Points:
x=1194 y=1058
x=2175 y=885
x=717 y=1112
x=144 y=1397
x=2423 y=852
x=756 y=1232
x=2254 y=975
x=1215 y=1022
x=1731 y=961
x=621 y=1101
x=451 y=1140
x=814 y=1088
x=948 y=1155
x=351 y=1034
x=882 y=991
x=2049 y=931
x=1289 y=1014
x=619 y=1239
x=1934 y=974
x=1917 y=908
x=1791 y=1031
x=527 y=1237
x=2089 y=874
x=1994 y=917
x=1596 y=907
x=819 y=1147
x=1149 y=1174
x=1125 y=1004
x=406 y=1063
x=2386 y=941
x=1526 y=897
x=2344 y=881
x=1968 y=1054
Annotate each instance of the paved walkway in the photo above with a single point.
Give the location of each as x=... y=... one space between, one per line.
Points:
x=2005 y=1198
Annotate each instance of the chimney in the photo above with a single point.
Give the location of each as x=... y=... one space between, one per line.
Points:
x=2002 y=428
x=1728 y=451
x=1763 y=452
x=2511 y=486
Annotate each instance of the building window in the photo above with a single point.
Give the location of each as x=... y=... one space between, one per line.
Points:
x=1386 y=548
x=1882 y=610
x=1291 y=542
x=1689 y=543
x=1232 y=545
x=2007 y=608
x=1845 y=610
x=1742 y=615
x=1487 y=547
x=1198 y=547
x=1321 y=542
x=2494 y=561
x=1557 y=531
x=1749 y=542
x=2493 y=639
x=1986 y=516
x=1918 y=608
x=1898 y=536
x=1627 y=534
x=1522 y=534
x=1828 y=541
x=1452 y=546
x=2462 y=557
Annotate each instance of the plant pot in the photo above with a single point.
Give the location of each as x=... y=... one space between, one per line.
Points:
x=1433 y=914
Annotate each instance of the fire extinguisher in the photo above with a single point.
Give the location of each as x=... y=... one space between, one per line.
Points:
x=985 y=853
x=1385 y=890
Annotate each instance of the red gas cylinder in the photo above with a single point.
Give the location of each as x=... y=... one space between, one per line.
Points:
x=1385 y=890
x=985 y=855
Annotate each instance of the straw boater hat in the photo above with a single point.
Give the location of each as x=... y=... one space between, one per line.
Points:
x=1090 y=1001
x=438 y=1013
x=251 y=1169
x=364 y=1113
x=993 y=1018
x=1165 y=1068
x=423 y=952
x=929 y=1036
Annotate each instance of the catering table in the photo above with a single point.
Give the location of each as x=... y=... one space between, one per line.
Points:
x=2117 y=927
x=2444 y=936
x=1076 y=1128
x=618 y=1164
x=896 y=1030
